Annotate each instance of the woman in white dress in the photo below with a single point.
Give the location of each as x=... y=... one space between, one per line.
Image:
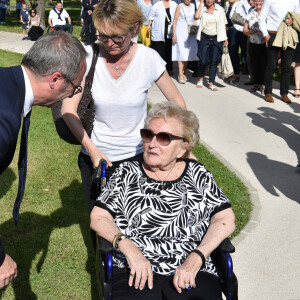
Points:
x=184 y=47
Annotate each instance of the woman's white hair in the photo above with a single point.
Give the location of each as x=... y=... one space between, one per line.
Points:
x=188 y=121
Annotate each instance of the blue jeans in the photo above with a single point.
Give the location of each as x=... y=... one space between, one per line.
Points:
x=236 y=39
x=209 y=53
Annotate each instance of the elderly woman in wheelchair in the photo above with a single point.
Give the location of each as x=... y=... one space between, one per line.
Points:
x=164 y=215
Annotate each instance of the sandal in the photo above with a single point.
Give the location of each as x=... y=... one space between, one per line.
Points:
x=199 y=84
x=213 y=87
x=254 y=89
x=234 y=79
x=182 y=81
x=296 y=95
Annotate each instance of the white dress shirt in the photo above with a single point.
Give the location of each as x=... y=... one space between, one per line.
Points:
x=273 y=13
x=28 y=93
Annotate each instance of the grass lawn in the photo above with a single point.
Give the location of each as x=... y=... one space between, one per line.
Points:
x=51 y=244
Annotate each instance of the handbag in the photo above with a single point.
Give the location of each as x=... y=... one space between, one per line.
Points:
x=170 y=29
x=226 y=69
x=193 y=29
x=85 y=107
x=170 y=25
x=237 y=19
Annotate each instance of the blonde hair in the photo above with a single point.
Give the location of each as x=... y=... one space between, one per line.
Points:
x=187 y=119
x=124 y=14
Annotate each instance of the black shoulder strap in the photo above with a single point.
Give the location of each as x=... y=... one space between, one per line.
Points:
x=90 y=75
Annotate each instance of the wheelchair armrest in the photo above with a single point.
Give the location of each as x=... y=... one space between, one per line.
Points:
x=226 y=246
x=104 y=245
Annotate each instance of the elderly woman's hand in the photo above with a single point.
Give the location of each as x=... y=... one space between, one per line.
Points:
x=185 y=275
x=140 y=267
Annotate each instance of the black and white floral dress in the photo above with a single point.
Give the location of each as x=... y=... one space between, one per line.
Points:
x=165 y=224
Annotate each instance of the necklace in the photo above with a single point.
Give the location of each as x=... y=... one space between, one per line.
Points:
x=118 y=69
x=163 y=181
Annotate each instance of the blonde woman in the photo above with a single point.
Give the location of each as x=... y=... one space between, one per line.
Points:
x=123 y=74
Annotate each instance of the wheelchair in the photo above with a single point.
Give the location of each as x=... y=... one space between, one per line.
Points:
x=220 y=256
x=104 y=258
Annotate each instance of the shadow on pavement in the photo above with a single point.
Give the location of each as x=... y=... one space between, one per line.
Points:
x=274 y=174
x=275 y=122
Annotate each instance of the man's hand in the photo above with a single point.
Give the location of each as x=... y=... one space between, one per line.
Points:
x=8 y=271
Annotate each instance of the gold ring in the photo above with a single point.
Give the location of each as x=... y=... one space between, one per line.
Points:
x=132 y=274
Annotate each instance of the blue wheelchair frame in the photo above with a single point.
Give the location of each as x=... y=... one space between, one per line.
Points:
x=104 y=260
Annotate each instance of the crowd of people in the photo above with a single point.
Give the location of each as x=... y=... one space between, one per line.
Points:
x=247 y=28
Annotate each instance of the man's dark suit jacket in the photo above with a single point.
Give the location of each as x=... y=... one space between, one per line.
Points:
x=86 y=7
x=12 y=97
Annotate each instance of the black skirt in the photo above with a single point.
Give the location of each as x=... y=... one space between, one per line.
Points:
x=35 y=32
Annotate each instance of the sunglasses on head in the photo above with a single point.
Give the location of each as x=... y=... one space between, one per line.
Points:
x=162 y=138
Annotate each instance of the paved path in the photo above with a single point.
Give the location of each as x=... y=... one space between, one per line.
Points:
x=260 y=142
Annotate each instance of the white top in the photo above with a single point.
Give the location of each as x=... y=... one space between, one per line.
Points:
x=221 y=20
x=54 y=17
x=28 y=94
x=239 y=8
x=246 y=5
x=121 y=105
x=158 y=15
x=252 y=19
x=145 y=9
x=274 y=11
x=210 y=26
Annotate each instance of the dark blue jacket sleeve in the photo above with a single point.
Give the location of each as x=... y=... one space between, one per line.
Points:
x=2 y=253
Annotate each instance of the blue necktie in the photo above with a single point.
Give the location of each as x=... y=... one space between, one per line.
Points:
x=22 y=165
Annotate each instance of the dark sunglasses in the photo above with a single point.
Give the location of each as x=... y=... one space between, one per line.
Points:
x=163 y=138
x=76 y=88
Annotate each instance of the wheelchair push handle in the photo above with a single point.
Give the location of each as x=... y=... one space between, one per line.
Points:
x=100 y=173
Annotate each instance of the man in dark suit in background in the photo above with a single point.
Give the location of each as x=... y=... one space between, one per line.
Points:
x=50 y=71
x=89 y=29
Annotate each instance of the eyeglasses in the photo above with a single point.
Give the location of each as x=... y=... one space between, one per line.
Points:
x=115 y=38
x=163 y=138
x=76 y=88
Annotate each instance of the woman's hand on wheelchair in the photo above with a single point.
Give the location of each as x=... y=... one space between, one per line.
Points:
x=96 y=155
x=185 y=275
